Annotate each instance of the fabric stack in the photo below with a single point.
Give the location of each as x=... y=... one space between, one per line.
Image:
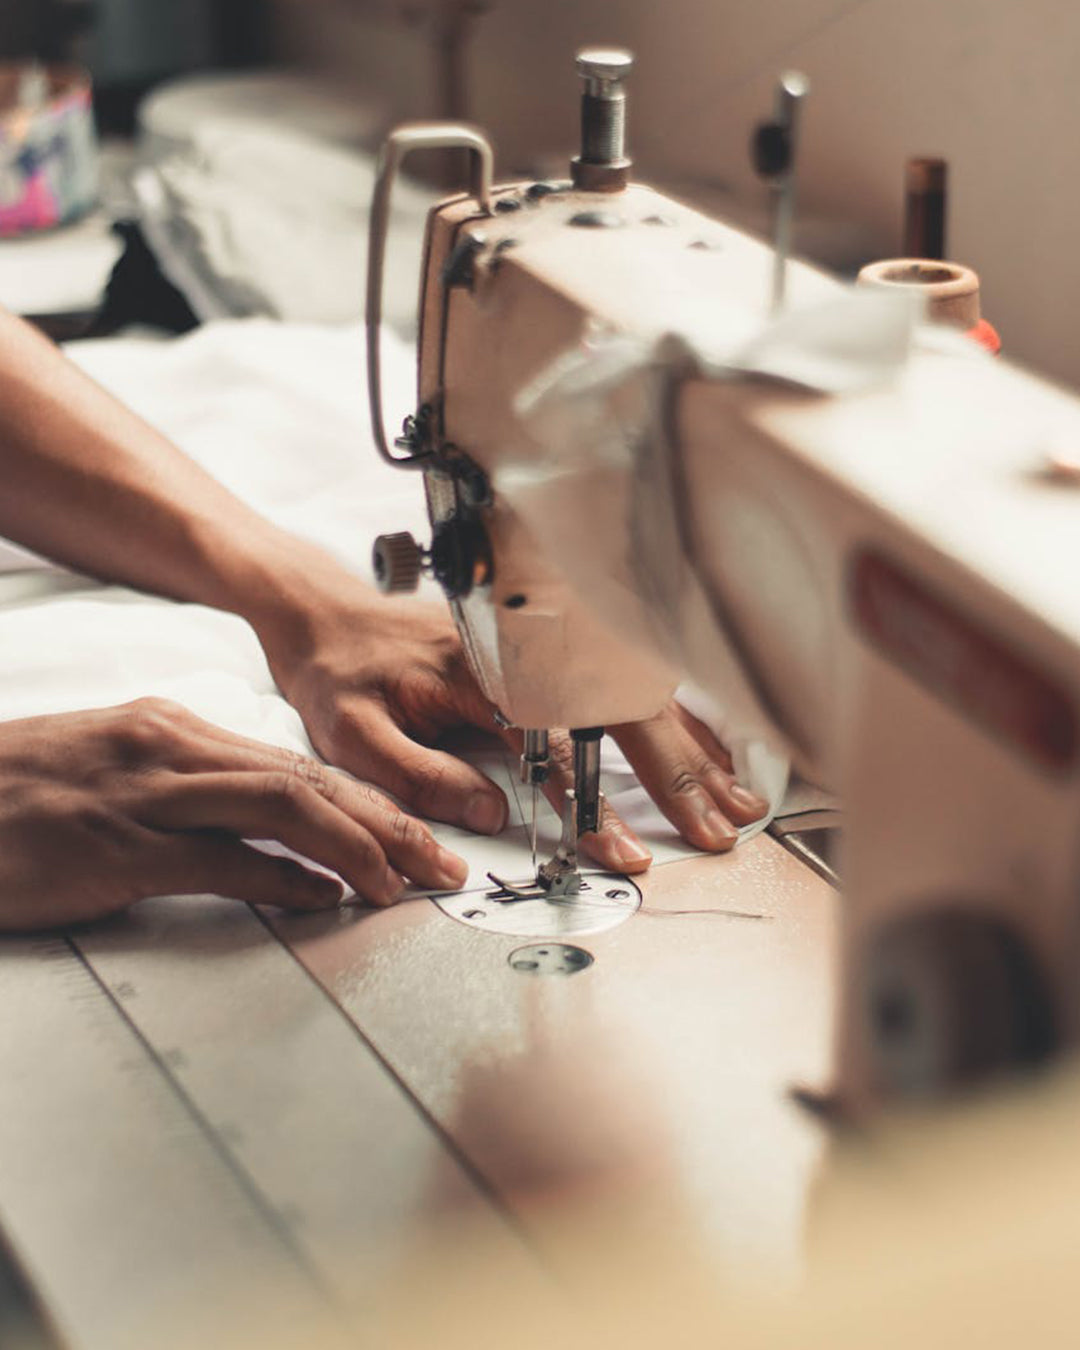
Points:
x=253 y=194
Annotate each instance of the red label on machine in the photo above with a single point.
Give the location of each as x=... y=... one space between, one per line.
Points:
x=966 y=666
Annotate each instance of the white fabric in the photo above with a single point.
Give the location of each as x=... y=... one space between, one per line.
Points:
x=16 y=559
x=59 y=271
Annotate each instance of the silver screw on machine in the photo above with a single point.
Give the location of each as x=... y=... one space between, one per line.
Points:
x=773 y=150
x=603 y=165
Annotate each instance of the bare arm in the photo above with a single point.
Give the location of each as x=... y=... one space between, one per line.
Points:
x=90 y=484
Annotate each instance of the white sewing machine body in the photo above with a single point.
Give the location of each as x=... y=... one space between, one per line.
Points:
x=896 y=568
x=911 y=610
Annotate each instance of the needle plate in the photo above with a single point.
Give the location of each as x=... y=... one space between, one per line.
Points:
x=605 y=901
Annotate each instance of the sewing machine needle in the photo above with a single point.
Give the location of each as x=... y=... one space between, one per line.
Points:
x=534 y=771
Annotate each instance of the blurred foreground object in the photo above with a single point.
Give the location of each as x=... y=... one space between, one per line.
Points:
x=934 y=1230
x=48 y=164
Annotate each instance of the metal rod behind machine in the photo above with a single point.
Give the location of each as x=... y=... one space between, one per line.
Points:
x=774 y=150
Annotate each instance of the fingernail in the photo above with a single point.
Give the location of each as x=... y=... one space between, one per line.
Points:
x=452 y=869
x=393 y=886
x=325 y=890
x=720 y=831
x=484 y=813
x=749 y=799
x=631 y=851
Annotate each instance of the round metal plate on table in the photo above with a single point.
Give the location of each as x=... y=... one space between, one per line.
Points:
x=605 y=901
x=550 y=958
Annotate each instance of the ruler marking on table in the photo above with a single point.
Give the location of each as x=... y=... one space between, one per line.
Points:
x=233 y=1166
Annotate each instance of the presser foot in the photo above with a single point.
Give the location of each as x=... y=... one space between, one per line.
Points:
x=566 y=885
x=560 y=876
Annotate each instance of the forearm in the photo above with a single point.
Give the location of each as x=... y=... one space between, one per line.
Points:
x=88 y=483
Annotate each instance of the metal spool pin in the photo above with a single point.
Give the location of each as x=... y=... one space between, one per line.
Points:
x=603 y=165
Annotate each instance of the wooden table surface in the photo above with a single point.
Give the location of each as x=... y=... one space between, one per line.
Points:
x=220 y=1099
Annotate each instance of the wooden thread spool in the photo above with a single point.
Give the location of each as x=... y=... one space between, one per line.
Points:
x=951 y=290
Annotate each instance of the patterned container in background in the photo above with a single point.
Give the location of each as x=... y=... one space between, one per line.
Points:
x=48 y=152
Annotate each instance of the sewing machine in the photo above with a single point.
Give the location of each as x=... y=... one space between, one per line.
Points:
x=266 y=1117
x=892 y=570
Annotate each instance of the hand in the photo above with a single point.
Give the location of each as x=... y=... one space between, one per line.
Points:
x=100 y=809
x=378 y=680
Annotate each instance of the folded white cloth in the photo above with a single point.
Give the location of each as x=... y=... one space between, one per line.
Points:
x=247 y=220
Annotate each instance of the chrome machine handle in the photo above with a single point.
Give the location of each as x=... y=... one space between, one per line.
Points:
x=401 y=143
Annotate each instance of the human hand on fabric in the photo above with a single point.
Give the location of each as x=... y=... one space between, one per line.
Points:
x=92 y=485
x=100 y=809
x=377 y=681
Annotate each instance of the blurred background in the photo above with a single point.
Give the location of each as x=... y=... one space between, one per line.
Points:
x=130 y=45
x=984 y=83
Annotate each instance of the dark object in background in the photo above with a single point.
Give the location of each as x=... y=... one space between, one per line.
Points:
x=131 y=45
x=926 y=185
x=47 y=29
x=139 y=292
x=242 y=30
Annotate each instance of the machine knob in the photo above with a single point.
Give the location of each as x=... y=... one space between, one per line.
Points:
x=602 y=165
x=397 y=560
